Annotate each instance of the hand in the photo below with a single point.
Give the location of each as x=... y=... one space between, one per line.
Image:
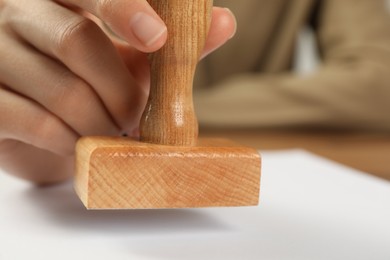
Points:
x=62 y=76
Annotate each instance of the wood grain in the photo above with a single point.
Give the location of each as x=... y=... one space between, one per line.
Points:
x=170 y=168
x=365 y=151
x=118 y=173
x=169 y=117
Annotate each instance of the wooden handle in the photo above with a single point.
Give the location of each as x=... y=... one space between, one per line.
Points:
x=169 y=116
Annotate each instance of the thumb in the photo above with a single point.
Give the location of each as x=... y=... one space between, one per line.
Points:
x=135 y=21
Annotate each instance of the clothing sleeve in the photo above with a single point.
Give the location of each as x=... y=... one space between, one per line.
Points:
x=350 y=89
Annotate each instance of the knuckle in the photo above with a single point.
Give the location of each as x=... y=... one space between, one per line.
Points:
x=44 y=127
x=73 y=35
x=73 y=95
x=48 y=132
x=10 y=10
x=77 y=104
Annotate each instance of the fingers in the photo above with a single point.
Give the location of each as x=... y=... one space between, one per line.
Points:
x=48 y=83
x=87 y=52
x=26 y=121
x=133 y=20
x=85 y=49
x=34 y=164
x=222 y=28
x=136 y=22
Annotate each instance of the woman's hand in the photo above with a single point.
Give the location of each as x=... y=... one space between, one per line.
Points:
x=62 y=76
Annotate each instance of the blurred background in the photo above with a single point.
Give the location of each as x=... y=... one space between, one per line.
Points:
x=306 y=52
x=352 y=139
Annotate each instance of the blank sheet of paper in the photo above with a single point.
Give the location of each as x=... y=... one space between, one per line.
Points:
x=311 y=208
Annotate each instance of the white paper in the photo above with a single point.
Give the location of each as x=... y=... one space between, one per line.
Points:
x=311 y=208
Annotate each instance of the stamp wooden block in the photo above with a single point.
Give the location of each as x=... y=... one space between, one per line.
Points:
x=170 y=167
x=122 y=173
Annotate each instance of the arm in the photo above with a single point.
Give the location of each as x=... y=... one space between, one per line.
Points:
x=351 y=89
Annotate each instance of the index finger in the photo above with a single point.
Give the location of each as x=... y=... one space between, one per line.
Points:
x=133 y=20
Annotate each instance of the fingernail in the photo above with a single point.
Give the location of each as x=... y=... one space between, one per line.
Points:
x=147 y=28
x=235 y=22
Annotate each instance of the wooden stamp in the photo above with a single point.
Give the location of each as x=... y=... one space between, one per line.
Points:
x=169 y=167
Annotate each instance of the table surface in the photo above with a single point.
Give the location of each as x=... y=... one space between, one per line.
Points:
x=311 y=208
x=367 y=152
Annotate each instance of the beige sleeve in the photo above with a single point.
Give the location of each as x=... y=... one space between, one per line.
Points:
x=351 y=89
